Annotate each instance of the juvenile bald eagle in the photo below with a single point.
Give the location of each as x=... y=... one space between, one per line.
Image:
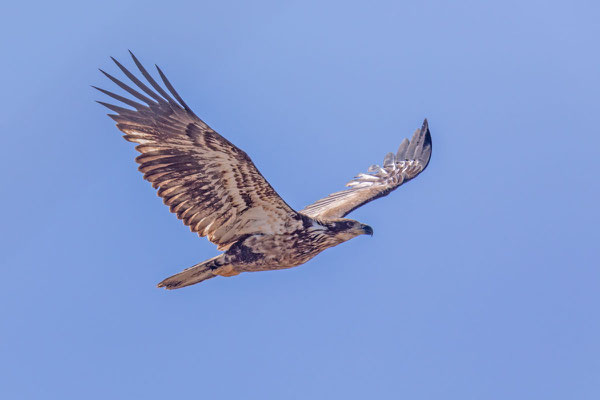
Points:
x=215 y=189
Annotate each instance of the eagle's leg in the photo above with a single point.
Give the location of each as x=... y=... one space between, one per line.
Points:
x=227 y=270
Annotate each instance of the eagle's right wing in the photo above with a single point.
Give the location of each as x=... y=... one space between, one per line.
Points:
x=410 y=160
x=212 y=185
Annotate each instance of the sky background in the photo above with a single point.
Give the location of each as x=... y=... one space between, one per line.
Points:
x=481 y=281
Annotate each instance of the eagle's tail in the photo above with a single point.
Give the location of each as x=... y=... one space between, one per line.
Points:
x=198 y=273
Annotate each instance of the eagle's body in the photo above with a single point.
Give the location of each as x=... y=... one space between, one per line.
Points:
x=216 y=190
x=266 y=252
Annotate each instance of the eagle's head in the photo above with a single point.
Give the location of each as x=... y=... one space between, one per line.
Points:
x=341 y=229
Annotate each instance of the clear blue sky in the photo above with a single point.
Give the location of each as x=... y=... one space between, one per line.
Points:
x=482 y=280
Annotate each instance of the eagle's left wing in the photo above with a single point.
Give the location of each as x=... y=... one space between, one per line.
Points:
x=212 y=185
x=410 y=160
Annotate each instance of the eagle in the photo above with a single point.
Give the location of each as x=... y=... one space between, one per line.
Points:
x=217 y=191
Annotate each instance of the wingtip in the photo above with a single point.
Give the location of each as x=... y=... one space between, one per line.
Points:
x=425 y=131
x=427 y=144
x=425 y=126
x=116 y=62
x=133 y=56
x=109 y=76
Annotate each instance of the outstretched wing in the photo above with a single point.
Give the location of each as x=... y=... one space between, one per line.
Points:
x=210 y=184
x=412 y=158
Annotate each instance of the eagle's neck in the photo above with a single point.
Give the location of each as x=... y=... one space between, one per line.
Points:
x=328 y=233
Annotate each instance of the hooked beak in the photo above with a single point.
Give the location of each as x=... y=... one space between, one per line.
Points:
x=367 y=230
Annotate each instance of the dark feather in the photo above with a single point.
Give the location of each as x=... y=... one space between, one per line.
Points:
x=151 y=80
x=128 y=89
x=173 y=91
x=138 y=83
x=122 y=99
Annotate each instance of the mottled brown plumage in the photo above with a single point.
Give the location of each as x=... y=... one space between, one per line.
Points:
x=215 y=189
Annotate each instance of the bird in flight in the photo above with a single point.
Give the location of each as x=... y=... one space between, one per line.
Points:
x=215 y=188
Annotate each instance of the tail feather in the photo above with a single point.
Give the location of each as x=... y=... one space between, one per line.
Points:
x=190 y=276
